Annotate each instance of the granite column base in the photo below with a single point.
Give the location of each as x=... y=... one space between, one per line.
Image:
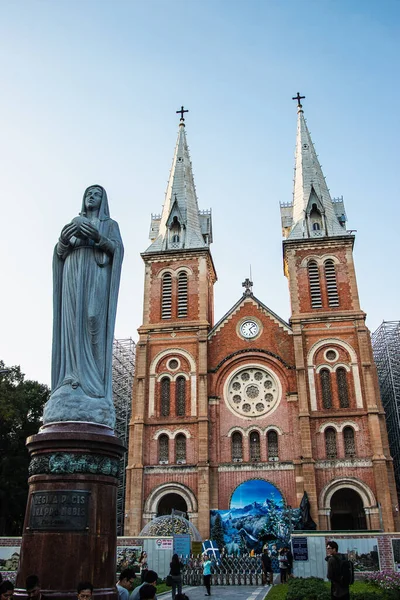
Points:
x=70 y=528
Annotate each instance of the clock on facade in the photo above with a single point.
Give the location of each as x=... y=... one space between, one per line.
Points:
x=249 y=329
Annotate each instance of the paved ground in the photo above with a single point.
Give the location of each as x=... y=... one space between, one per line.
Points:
x=227 y=592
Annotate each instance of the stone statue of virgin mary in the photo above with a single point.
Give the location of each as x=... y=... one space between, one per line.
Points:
x=86 y=272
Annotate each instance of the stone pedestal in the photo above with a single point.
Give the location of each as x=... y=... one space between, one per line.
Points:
x=70 y=523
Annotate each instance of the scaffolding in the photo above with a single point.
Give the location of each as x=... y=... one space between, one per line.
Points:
x=123 y=370
x=386 y=349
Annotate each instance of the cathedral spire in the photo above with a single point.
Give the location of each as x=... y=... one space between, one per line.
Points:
x=181 y=225
x=313 y=212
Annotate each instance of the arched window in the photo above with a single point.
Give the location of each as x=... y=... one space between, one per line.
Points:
x=182 y=294
x=163 y=449
x=315 y=286
x=325 y=377
x=255 y=454
x=165 y=396
x=237 y=446
x=180 y=448
x=272 y=441
x=341 y=379
x=331 y=283
x=180 y=396
x=349 y=443
x=330 y=443
x=316 y=227
x=166 y=296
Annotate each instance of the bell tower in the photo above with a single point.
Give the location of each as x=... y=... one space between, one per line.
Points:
x=168 y=465
x=340 y=411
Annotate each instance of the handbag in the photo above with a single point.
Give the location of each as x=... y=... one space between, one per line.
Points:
x=168 y=581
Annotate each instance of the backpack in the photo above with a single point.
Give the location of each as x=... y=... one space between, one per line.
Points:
x=346 y=572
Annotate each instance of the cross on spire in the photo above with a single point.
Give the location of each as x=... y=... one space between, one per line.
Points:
x=182 y=111
x=247 y=284
x=298 y=98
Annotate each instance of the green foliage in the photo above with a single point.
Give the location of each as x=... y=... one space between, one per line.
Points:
x=364 y=590
x=310 y=588
x=277 y=592
x=21 y=409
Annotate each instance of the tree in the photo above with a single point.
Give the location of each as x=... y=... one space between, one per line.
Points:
x=21 y=409
x=217 y=533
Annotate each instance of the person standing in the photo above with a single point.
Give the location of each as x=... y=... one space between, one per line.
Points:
x=283 y=564
x=33 y=588
x=207 y=573
x=85 y=590
x=125 y=583
x=175 y=572
x=150 y=578
x=339 y=589
x=6 y=590
x=144 y=565
x=289 y=558
x=268 y=576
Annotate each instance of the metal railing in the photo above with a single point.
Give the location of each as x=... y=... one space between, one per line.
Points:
x=227 y=570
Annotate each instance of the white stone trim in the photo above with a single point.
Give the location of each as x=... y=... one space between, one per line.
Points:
x=270 y=466
x=185 y=268
x=320 y=367
x=352 y=424
x=333 y=342
x=274 y=428
x=163 y=432
x=155 y=496
x=180 y=374
x=172 y=351
x=344 y=463
x=335 y=368
x=164 y=375
x=153 y=374
x=320 y=260
x=152 y=395
x=354 y=368
x=364 y=491
x=329 y=424
x=238 y=430
x=184 y=431
x=165 y=270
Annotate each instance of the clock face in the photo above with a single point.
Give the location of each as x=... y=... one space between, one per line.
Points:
x=249 y=329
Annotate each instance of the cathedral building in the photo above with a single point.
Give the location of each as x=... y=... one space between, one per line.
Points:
x=251 y=397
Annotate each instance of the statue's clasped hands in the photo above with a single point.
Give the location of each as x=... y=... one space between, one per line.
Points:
x=79 y=227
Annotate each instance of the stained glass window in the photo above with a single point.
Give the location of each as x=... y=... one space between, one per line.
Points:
x=326 y=388
x=272 y=440
x=349 y=443
x=341 y=378
x=237 y=446
x=180 y=392
x=180 y=448
x=165 y=396
x=255 y=454
x=330 y=443
x=163 y=448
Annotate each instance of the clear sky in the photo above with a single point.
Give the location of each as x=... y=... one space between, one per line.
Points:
x=88 y=94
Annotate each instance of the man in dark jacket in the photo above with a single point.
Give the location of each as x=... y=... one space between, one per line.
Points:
x=338 y=588
x=268 y=576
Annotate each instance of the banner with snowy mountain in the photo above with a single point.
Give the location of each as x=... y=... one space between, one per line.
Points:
x=257 y=515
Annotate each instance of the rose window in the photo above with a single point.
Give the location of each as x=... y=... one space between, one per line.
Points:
x=252 y=391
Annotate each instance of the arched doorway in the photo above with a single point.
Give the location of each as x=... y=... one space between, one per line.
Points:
x=347 y=510
x=169 y=502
